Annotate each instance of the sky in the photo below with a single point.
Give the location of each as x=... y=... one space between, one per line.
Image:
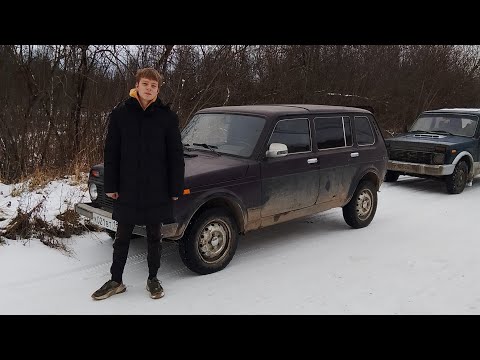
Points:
x=418 y=256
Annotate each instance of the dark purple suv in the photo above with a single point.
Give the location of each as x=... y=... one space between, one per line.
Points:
x=248 y=167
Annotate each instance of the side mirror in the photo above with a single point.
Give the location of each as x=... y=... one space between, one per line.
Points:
x=276 y=150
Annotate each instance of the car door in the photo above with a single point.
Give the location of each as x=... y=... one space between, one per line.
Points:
x=290 y=182
x=333 y=139
x=365 y=151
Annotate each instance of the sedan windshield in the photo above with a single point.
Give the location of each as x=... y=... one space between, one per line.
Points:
x=225 y=133
x=462 y=125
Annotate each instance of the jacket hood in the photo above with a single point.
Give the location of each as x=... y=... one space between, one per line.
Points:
x=133 y=94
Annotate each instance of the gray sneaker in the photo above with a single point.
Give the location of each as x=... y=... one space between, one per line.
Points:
x=155 y=289
x=108 y=289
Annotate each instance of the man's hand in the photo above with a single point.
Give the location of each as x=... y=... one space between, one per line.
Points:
x=174 y=198
x=112 y=195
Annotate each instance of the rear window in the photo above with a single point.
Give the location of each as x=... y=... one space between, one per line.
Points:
x=333 y=132
x=364 y=131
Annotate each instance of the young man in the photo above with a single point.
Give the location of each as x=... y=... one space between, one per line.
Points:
x=144 y=174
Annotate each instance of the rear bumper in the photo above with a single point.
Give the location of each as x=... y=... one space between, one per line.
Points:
x=87 y=210
x=423 y=169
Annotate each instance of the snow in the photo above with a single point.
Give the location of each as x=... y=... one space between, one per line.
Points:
x=57 y=196
x=461 y=109
x=332 y=94
x=418 y=256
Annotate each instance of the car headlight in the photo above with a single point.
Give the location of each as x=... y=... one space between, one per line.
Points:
x=92 y=189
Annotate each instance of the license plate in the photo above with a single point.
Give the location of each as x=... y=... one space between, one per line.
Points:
x=105 y=222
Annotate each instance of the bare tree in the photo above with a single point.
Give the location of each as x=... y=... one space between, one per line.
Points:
x=55 y=99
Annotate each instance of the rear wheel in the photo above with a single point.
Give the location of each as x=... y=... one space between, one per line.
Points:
x=458 y=179
x=360 y=210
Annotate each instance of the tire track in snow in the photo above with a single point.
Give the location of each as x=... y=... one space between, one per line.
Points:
x=92 y=271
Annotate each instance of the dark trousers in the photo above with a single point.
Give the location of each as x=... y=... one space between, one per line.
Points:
x=122 y=243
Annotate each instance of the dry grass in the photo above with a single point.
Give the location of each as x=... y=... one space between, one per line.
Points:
x=80 y=174
x=19 y=189
x=72 y=224
x=41 y=177
x=30 y=224
x=79 y=167
x=20 y=227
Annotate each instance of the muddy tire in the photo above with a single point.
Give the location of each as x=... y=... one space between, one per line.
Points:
x=391 y=176
x=458 y=179
x=360 y=210
x=209 y=242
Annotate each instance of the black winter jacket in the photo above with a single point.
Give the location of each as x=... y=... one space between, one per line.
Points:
x=143 y=161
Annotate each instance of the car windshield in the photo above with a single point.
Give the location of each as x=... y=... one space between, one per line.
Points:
x=462 y=125
x=226 y=133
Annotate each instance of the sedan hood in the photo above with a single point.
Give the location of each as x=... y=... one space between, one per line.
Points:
x=204 y=169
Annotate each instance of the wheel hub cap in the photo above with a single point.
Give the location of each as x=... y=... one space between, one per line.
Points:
x=213 y=241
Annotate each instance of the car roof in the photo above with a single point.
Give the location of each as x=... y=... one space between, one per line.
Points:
x=475 y=111
x=282 y=109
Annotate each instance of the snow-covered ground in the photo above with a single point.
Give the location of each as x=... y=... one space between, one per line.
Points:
x=56 y=197
x=420 y=255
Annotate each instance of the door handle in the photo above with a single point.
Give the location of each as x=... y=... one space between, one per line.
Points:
x=355 y=154
x=312 y=161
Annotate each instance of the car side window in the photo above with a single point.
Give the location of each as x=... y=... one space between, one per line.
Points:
x=364 y=131
x=295 y=133
x=333 y=132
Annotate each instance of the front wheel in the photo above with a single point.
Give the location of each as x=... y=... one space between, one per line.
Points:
x=209 y=242
x=458 y=179
x=360 y=210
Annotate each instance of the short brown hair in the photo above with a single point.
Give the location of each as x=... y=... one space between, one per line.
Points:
x=149 y=73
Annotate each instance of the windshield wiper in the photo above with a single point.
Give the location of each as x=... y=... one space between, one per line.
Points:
x=186 y=147
x=209 y=147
